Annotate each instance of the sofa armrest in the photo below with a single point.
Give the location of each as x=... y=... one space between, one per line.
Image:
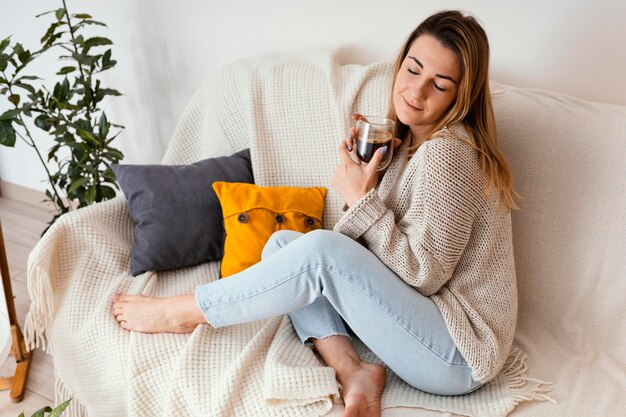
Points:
x=101 y=228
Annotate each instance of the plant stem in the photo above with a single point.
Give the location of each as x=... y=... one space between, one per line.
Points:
x=80 y=67
x=59 y=202
x=31 y=143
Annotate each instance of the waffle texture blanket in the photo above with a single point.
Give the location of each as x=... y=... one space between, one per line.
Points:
x=291 y=112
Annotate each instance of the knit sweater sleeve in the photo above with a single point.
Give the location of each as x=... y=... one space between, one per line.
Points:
x=425 y=245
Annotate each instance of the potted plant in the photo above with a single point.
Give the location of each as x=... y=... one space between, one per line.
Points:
x=68 y=110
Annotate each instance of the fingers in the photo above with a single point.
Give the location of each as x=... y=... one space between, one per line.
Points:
x=343 y=151
x=378 y=156
x=357 y=116
x=351 y=139
x=396 y=142
x=346 y=148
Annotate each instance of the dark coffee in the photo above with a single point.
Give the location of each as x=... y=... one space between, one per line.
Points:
x=365 y=148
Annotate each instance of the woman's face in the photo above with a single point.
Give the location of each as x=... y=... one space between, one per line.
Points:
x=426 y=84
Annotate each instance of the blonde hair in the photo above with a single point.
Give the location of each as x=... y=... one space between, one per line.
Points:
x=472 y=106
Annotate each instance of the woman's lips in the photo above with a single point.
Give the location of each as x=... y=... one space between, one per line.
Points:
x=411 y=106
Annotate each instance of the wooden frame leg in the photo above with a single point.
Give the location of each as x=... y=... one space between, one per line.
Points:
x=17 y=383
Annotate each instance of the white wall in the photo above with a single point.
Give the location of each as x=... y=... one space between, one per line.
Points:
x=164 y=49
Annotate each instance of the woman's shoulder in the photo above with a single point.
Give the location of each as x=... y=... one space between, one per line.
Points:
x=454 y=134
x=453 y=144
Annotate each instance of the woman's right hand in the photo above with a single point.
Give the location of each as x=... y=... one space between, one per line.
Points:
x=353 y=179
x=351 y=140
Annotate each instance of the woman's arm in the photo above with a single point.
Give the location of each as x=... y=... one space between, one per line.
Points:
x=426 y=245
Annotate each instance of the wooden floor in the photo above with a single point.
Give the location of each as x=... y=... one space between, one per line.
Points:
x=22 y=225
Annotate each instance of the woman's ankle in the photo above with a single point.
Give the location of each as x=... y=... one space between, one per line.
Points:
x=183 y=311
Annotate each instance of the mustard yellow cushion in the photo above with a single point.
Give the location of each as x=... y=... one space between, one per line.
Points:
x=252 y=213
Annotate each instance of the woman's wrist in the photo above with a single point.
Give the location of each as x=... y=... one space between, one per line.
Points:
x=354 y=198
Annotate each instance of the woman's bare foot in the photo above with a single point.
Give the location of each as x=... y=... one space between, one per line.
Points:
x=362 y=390
x=144 y=314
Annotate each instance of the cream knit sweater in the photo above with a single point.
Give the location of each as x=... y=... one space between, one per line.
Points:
x=431 y=223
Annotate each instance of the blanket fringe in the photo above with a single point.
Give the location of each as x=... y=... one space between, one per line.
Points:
x=61 y=394
x=41 y=309
x=521 y=387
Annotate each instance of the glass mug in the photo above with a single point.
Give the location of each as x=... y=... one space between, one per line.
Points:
x=372 y=134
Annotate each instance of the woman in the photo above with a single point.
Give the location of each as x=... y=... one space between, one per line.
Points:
x=432 y=291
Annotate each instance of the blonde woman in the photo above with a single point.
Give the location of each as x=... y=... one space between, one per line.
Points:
x=431 y=287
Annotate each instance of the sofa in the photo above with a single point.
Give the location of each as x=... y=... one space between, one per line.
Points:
x=568 y=158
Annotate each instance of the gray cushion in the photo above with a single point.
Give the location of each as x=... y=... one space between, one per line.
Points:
x=177 y=216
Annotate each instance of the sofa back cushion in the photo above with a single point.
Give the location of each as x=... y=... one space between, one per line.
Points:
x=568 y=158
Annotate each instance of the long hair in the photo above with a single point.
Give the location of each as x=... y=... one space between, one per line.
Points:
x=472 y=106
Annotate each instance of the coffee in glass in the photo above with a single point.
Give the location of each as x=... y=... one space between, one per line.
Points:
x=373 y=133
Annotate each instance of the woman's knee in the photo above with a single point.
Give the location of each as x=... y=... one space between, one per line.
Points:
x=279 y=240
x=335 y=244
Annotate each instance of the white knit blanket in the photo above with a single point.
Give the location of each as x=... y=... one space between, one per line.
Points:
x=292 y=112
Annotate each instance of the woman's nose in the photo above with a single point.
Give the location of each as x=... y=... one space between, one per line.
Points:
x=418 y=90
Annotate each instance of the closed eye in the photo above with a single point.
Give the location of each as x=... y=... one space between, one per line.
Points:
x=434 y=84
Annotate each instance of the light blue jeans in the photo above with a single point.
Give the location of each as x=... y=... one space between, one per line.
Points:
x=325 y=280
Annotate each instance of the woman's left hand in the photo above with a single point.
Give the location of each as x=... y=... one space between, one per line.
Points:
x=351 y=179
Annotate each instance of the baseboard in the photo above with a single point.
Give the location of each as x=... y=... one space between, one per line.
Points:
x=23 y=194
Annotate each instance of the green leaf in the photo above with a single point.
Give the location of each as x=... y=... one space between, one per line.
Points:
x=29 y=77
x=43 y=122
x=77 y=183
x=4 y=61
x=45 y=13
x=24 y=57
x=114 y=155
x=58 y=410
x=5 y=42
x=40 y=412
x=92 y=22
x=107 y=192
x=65 y=89
x=97 y=41
x=109 y=175
x=107 y=62
x=52 y=39
x=7 y=134
x=90 y=195
x=15 y=99
x=79 y=40
x=83 y=59
x=109 y=92
x=26 y=87
x=52 y=152
x=60 y=13
x=50 y=31
x=66 y=70
x=103 y=126
x=82 y=16
x=21 y=414
x=9 y=114
x=18 y=48
x=88 y=136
